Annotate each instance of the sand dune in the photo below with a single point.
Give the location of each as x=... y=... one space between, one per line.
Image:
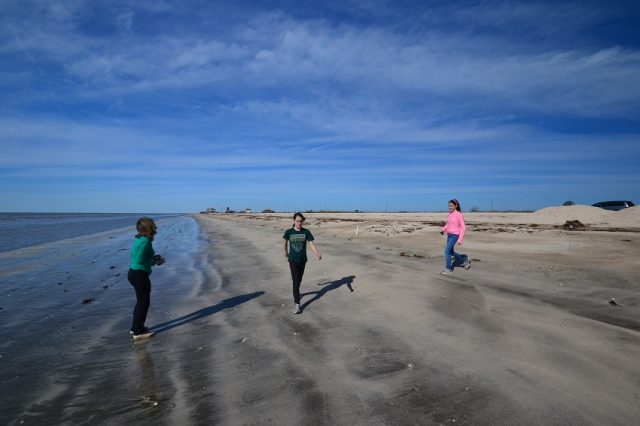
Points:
x=627 y=218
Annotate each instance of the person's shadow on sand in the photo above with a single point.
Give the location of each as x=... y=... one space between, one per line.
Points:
x=327 y=288
x=205 y=312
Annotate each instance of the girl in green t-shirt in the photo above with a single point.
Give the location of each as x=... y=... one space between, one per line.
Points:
x=295 y=250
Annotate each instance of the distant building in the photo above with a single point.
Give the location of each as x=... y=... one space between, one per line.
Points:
x=247 y=210
x=211 y=210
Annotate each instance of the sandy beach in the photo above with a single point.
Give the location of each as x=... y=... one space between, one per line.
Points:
x=382 y=122
x=526 y=336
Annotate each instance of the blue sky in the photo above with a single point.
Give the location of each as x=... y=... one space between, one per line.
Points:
x=137 y=106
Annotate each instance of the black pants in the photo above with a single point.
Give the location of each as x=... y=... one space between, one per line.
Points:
x=297 y=271
x=142 y=285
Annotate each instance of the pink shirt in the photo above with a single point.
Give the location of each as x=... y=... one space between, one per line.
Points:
x=455 y=225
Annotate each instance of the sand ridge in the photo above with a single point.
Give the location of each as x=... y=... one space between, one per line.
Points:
x=603 y=219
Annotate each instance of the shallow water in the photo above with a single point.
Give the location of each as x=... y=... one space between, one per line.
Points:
x=19 y=230
x=66 y=310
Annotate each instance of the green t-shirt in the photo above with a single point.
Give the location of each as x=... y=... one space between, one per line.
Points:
x=297 y=243
x=142 y=254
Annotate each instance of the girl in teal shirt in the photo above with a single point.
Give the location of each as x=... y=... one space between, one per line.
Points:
x=295 y=250
x=142 y=259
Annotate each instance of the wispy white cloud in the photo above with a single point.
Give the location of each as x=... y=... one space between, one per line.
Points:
x=124 y=23
x=275 y=50
x=65 y=149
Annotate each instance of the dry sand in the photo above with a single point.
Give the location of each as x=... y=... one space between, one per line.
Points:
x=527 y=336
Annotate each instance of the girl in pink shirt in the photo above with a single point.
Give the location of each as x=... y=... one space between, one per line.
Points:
x=454 y=230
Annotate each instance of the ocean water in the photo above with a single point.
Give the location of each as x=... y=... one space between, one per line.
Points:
x=19 y=230
x=42 y=244
x=66 y=308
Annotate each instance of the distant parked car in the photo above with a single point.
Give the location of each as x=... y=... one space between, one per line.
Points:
x=614 y=205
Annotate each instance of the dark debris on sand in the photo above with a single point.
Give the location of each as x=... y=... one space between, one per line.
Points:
x=574 y=225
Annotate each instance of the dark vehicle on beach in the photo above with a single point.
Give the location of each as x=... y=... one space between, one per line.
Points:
x=614 y=205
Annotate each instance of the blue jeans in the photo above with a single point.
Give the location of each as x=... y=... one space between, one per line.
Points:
x=448 y=252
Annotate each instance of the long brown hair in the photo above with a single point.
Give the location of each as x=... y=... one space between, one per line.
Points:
x=300 y=215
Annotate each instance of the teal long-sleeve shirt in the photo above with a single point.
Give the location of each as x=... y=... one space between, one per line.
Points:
x=142 y=254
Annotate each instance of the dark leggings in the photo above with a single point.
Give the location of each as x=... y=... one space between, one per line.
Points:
x=297 y=271
x=142 y=285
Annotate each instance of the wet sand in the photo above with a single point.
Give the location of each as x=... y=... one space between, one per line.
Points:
x=527 y=336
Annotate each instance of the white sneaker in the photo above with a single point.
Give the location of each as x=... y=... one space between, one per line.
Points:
x=142 y=336
x=467 y=263
x=297 y=309
x=446 y=272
